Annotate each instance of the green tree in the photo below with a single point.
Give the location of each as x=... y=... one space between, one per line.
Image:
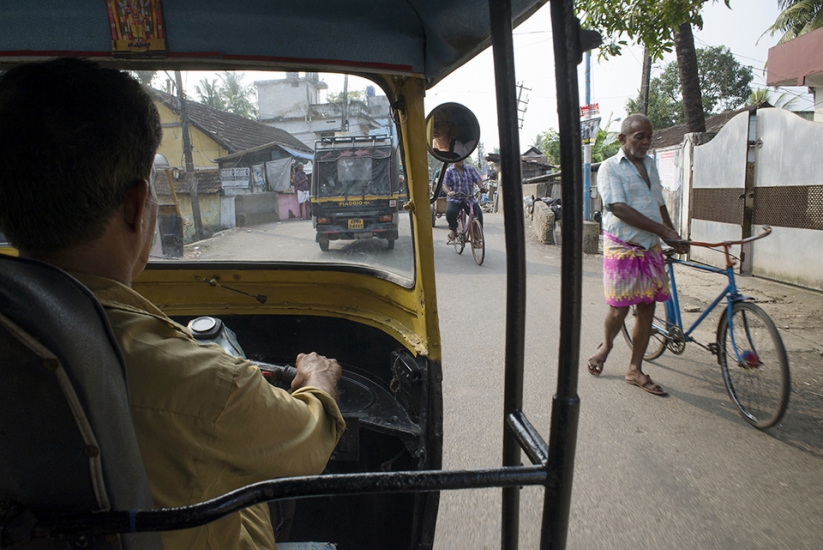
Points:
x=228 y=94
x=659 y=26
x=236 y=95
x=605 y=145
x=208 y=93
x=797 y=18
x=724 y=86
x=354 y=95
x=144 y=77
x=762 y=96
x=549 y=144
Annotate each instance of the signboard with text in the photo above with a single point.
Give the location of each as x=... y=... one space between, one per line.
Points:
x=235 y=177
x=591 y=110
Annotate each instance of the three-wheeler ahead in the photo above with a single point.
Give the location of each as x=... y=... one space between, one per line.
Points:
x=355 y=189
x=375 y=312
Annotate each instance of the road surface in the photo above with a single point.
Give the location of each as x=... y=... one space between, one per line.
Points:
x=684 y=471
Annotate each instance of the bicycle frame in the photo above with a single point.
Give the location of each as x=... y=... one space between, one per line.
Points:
x=673 y=315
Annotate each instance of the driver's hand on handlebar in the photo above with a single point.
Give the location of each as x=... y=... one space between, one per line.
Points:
x=450 y=193
x=318 y=371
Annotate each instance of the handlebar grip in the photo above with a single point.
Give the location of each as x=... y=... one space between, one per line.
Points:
x=276 y=374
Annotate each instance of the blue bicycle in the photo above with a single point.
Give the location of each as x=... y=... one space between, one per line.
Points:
x=748 y=347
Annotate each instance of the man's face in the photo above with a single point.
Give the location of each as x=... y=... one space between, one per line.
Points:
x=636 y=144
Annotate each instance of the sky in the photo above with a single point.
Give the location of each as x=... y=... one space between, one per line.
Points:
x=612 y=81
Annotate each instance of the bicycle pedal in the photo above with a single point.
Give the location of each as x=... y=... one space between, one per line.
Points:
x=714 y=348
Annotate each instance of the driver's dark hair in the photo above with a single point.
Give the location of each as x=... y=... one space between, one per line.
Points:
x=74 y=138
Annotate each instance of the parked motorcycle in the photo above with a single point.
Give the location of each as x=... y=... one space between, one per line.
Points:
x=555 y=205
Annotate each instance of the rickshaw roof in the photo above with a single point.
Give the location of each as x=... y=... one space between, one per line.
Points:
x=429 y=38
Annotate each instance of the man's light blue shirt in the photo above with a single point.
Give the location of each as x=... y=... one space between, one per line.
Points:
x=619 y=181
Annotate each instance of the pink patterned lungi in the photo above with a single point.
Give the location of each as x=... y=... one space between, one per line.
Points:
x=632 y=274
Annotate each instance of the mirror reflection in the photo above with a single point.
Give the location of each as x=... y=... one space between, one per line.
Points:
x=453 y=132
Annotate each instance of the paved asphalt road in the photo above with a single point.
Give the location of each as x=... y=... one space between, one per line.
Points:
x=684 y=471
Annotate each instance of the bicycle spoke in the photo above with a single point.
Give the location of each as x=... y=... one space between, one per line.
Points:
x=755 y=366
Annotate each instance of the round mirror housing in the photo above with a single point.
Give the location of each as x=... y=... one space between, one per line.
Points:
x=452 y=132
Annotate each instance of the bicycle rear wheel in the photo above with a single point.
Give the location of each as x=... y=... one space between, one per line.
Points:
x=657 y=340
x=478 y=242
x=754 y=364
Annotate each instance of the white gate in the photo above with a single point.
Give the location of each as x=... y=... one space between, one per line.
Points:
x=718 y=189
x=788 y=195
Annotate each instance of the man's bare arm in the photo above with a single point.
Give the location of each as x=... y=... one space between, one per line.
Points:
x=636 y=219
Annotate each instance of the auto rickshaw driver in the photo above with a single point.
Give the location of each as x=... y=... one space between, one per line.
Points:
x=206 y=422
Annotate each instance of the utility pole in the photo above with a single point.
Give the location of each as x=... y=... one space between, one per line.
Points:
x=344 y=124
x=184 y=122
x=587 y=147
x=521 y=113
x=645 y=79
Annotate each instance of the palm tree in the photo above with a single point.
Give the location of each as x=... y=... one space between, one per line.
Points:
x=760 y=96
x=236 y=95
x=144 y=77
x=209 y=93
x=797 y=18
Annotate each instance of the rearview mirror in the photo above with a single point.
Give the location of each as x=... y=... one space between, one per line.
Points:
x=452 y=132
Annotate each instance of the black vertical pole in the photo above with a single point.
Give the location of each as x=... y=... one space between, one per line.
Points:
x=566 y=403
x=500 y=15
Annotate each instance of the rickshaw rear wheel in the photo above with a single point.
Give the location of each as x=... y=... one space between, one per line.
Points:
x=390 y=244
x=434 y=215
x=324 y=245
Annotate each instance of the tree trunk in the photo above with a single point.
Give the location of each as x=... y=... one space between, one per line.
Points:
x=645 y=78
x=689 y=79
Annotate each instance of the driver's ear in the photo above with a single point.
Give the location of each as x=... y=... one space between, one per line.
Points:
x=134 y=204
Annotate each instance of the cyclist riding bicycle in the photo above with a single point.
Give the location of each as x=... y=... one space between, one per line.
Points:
x=459 y=185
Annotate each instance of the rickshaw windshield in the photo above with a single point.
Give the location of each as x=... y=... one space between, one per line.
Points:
x=279 y=167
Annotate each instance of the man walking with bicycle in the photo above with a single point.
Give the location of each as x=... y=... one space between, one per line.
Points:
x=635 y=220
x=458 y=184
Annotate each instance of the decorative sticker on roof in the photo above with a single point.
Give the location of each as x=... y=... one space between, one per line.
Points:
x=137 y=29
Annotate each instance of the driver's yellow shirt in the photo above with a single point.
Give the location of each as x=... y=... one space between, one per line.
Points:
x=208 y=423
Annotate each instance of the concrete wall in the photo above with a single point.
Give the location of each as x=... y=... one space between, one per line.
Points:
x=720 y=163
x=285 y=97
x=256 y=209
x=210 y=213
x=789 y=157
x=203 y=147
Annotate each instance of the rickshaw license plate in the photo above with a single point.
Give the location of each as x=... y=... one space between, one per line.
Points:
x=356 y=223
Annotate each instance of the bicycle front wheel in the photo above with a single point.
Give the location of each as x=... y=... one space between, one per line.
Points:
x=657 y=340
x=754 y=364
x=459 y=242
x=478 y=242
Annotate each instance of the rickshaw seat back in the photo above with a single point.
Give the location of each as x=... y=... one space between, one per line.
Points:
x=67 y=443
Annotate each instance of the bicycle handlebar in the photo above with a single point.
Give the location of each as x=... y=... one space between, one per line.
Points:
x=725 y=244
x=766 y=232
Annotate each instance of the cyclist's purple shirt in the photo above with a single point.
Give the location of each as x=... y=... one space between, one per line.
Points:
x=462 y=183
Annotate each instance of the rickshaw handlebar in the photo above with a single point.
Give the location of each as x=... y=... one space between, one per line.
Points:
x=276 y=374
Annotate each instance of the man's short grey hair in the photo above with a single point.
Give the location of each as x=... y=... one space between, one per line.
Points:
x=631 y=120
